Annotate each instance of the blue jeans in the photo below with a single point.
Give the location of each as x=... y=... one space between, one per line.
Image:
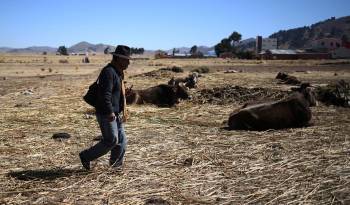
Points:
x=113 y=139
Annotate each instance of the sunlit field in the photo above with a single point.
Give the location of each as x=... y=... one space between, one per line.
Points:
x=177 y=155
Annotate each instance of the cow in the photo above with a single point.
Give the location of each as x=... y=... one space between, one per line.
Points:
x=294 y=111
x=287 y=79
x=190 y=81
x=161 y=95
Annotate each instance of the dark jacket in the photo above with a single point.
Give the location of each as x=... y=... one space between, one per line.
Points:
x=109 y=97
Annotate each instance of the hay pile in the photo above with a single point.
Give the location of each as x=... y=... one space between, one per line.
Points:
x=162 y=72
x=155 y=74
x=177 y=155
x=236 y=94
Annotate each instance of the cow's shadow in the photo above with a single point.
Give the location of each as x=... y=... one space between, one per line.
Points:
x=45 y=174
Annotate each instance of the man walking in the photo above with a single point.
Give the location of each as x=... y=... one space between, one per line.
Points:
x=110 y=104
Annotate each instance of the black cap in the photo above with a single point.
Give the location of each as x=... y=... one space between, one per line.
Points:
x=122 y=51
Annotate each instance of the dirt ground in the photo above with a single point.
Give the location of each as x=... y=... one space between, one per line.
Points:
x=178 y=155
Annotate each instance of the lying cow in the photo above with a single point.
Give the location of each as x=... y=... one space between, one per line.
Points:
x=287 y=79
x=190 y=81
x=291 y=112
x=161 y=95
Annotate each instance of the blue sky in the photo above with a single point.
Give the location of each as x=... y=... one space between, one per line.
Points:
x=154 y=24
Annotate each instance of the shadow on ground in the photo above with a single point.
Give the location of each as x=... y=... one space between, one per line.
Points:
x=45 y=174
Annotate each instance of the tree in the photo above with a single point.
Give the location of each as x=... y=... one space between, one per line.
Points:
x=137 y=50
x=219 y=48
x=175 y=51
x=62 y=50
x=235 y=36
x=106 y=51
x=228 y=44
x=193 y=50
x=224 y=46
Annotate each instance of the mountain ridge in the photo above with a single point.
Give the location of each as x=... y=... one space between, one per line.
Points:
x=296 y=38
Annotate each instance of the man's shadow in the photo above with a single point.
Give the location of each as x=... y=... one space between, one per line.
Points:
x=45 y=174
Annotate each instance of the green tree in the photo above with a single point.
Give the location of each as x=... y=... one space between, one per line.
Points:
x=235 y=36
x=137 y=50
x=228 y=44
x=175 y=51
x=62 y=50
x=193 y=50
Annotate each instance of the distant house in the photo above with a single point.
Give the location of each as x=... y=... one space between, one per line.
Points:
x=274 y=54
x=179 y=55
x=210 y=54
x=287 y=54
x=263 y=44
x=326 y=44
x=336 y=47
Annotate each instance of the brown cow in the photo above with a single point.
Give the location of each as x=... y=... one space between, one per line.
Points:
x=161 y=95
x=287 y=79
x=291 y=112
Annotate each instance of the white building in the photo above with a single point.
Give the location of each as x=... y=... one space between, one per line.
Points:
x=263 y=44
x=269 y=43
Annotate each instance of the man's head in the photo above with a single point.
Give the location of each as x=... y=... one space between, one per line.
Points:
x=121 y=56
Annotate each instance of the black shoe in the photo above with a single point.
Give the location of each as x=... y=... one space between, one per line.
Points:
x=85 y=163
x=115 y=164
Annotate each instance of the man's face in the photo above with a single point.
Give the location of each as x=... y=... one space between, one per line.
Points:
x=124 y=63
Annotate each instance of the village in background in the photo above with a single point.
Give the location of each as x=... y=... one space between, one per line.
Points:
x=329 y=39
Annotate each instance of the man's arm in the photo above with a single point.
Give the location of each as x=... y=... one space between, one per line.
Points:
x=106 y=87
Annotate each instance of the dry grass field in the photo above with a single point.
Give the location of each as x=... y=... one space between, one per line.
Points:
x=178 y=155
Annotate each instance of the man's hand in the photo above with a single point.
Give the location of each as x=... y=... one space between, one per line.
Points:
x=111 y=117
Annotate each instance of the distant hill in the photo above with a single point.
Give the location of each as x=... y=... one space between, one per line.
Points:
x=88 y=47
x=81 y=47
x=303 y=36
x=5 y=49
x=33 y=49
x=296 y=38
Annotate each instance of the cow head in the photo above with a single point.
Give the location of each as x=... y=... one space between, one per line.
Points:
x=310 y=96
x=308 y=92
x=281 y=75
x=192 y=80
x=172 y=81
x=129 y=90
x=181 y=92
x=130 y=95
